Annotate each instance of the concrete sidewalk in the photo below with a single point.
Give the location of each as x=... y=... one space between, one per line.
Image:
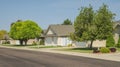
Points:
x=110 y=56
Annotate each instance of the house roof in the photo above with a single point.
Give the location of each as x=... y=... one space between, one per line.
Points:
x=43 y=33
x=116 y=24
x=60 y=30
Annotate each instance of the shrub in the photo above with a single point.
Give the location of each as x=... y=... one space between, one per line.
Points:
x=69 y=45
x=42 y=42
x=112 y=49
x=110 y=41
x=34 y=43
x=104 y=50
x=95 y=50
x=6 y=42
x=118 y=45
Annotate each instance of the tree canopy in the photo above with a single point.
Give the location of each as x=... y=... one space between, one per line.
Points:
x=67 y=22
x=2 y=34
x=92 y=25
x=24 y=30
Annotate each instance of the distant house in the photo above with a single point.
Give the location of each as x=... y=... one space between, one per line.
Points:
x=14 y=42
x=116 y=31
x=59 y=35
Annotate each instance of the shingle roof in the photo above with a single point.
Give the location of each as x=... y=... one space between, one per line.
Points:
x=116 y=24
x=43 y=33
x=62 y=30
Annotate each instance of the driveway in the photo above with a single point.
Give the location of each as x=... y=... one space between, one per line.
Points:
x=26 y=58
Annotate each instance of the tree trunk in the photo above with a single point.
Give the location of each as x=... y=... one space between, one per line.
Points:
x=25 y=41
x=91 y=44
x=21 y=42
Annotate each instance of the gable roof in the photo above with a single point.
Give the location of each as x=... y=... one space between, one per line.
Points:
x=60 y=30
x=117 y=23
x=43 y=33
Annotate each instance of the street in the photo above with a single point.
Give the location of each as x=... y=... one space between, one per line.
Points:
x=26 y=58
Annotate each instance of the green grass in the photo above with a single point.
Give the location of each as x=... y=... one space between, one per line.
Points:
x=59 y=48
x=81 y=50
x=18 y=46
x=30 y=46
x=118 y=49
x=42 y=46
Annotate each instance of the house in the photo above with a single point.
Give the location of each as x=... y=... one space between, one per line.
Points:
x=116 y=31
x=7 y=40
x=59 y=35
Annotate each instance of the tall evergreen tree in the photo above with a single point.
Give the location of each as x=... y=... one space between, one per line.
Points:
x=67 y=22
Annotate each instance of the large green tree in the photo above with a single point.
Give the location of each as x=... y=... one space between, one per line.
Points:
x=67 y=22
x=24 y=30
x=83 y=23
x=104 y=22
x=90 y=25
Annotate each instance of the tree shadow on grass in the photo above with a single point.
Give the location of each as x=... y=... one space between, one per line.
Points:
x=21 y=45
x=81 y=48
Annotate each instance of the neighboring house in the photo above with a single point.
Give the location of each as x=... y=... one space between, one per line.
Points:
x=12 y=41
x=59 y=35
x=116 y=31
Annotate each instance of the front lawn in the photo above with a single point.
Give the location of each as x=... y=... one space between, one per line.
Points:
x=43 y=46
x=59 y=48
x=81 y=50
x=9 y=45
x=30 y=46
x=118 y=49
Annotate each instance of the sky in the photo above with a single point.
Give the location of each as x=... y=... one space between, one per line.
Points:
x=46 y=12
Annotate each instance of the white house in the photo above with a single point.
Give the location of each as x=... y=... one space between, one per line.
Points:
x=58 y=35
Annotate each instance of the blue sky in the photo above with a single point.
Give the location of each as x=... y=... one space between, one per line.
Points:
x=46 y=12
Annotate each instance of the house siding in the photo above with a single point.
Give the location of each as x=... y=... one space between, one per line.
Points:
x=50 y=31
x=57 y=41
x=64 y=41
x=51 y=41
x=79 y=44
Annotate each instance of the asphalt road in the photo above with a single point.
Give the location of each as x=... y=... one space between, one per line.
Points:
x=25 y=58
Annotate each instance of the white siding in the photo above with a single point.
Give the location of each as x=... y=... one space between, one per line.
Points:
x=116 y=37
x=97 y=43
x=51 y=41
x=49 y=32
x=64 y=41
x=48 y=41
x=80 y=44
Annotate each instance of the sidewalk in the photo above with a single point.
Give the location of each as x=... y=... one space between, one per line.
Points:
x=110 y=56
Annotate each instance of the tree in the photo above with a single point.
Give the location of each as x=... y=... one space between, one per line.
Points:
x=90 y=25
x=83 y=24
x=104 y=22
x=2 y=34
x=24 y=30
x=67 y=22
x=110 y=41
